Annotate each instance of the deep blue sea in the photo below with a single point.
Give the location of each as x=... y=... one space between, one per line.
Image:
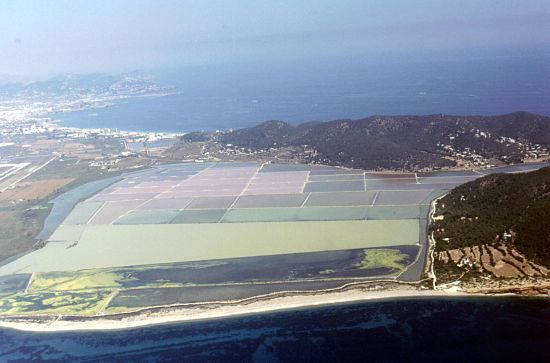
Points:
x=420 y=330
x=210 y=98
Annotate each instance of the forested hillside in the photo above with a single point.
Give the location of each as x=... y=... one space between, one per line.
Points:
x=513 y=209
x=407 y=142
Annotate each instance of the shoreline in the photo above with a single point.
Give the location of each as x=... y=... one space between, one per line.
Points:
x=168 y=315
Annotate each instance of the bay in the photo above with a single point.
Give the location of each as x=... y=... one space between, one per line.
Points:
x=210 y=98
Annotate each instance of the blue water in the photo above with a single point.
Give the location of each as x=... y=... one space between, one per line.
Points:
x=212 y=98
x=418 y=330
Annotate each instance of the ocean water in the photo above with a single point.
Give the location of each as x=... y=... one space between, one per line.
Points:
x=210 y=98
x=490 y=329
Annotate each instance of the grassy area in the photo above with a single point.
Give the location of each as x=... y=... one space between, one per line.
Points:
x=54 y=303
x=384 y=257
x=103 y=279
x=20 y=223
x=77 y=280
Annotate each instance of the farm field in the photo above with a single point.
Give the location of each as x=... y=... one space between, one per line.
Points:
x=195 y=232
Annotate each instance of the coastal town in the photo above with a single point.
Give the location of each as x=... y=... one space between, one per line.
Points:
x=27 y=119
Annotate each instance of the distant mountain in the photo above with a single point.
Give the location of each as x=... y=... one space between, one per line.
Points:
x=509 y=209
x=78 y=85
x=407 y=142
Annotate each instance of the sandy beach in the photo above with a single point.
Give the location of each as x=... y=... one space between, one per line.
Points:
x=174 y=314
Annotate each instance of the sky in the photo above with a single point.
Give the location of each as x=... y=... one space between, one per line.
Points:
x=44 y=38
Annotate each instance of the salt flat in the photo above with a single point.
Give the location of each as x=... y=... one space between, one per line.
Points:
x=180 y=213
x=127 y=245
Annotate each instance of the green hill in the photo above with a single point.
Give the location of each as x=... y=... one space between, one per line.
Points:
x=509 y=208
x=404 y=142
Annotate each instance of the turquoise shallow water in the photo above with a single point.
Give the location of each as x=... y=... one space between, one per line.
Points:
x=418 y=330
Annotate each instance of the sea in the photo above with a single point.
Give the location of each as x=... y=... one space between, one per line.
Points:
x=236 y=96
x=465 y=329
